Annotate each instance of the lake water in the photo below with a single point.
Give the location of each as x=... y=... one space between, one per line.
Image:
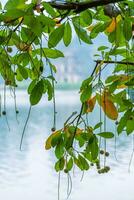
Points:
x=29 y=174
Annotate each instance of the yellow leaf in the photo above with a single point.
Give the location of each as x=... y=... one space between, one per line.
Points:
x=108 y=106
x=112 y=26
x=49 y=139
x=57 y=22
x=99 y=67
x=90 y=28
x=68 y=131
x=91 y=103
x=121 y=86
x=23 y=46
x=124 y=77
x=20 y=19
x=118 y=18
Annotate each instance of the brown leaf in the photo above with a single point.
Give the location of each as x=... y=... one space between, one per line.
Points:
x=108 y=106
x=91 y=103
x=49 y=139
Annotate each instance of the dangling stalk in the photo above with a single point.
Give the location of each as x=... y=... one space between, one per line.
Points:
x=132 y=154
x=23 y=132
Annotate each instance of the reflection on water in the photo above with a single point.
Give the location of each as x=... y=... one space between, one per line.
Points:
x=29 y=174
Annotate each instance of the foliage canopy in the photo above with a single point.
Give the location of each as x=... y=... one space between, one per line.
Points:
x=29 y=34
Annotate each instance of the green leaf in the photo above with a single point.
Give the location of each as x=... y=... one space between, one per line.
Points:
x=20 y=4
x=82 y=34
x=86 y=94
x=49 y=88
x=67 y=34
x=84 y=163
x=87 y=17
x=69 y=164
x=130 y=126
x=31 y=86
x=102 y=48
x=34 y=23
x=46 y=21
x=111 y=79
x=37 y=92
x=23 y=72
x=127 y=29
x=106 y=134
x=98 y=125
x=123 y=121
x=18 y=76
x=56 y=36
x=78 y=163
x=59 y=165
x=86 y=82
x=59 y=150
x=0 y=6
x=49 y=9
x=94 y=148
x=52 y=53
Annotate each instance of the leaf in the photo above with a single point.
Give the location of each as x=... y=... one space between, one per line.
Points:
x=69 y=164
x=59 y=150
x=49 y=89
x=56 y=36
x=127 y=29
x=108 y=106
x=90 y=28
x=83 y=162
x=59 y=165
x=49 y=9
x=86 y=94
x=106 y=134
x=20 y=4
x=0 y=6
x=46 y=21
x=102 y=48
x=52 y=53
x=48 y=144
x=98 y=125
x=34 y=23
x=13 y=14
x=123 y=121
x=86 y=83
x=87 y=17
x=90 y=104
x=130 y=126
x=112 y=26
x=94 y=148
x=37 y=92
x=82 y=34
x=23 y=72
x=67 y=34
x=31 y=86
x=98 y=69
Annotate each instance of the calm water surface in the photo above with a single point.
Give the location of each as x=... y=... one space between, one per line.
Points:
x=29 y=174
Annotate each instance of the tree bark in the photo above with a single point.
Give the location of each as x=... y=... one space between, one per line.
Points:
x=81 y=6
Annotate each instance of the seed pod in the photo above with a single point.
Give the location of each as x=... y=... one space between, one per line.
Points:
x=106 y=154
x=102 y=152
x=3 y=112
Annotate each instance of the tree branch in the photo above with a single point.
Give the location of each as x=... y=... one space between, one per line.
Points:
x=114 y=62
x=81 y=6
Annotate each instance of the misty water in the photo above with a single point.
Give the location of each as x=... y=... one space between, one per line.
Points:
x=29 y=174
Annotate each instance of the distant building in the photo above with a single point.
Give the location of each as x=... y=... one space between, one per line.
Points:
x=67 y=71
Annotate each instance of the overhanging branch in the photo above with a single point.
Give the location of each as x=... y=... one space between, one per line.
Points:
x=81 y=6
x=114 y=62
